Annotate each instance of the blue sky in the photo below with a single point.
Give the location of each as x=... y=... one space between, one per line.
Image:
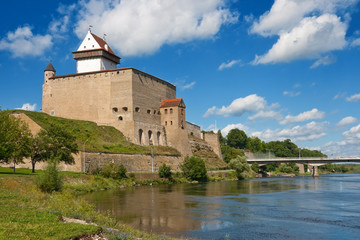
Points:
x=276 y=69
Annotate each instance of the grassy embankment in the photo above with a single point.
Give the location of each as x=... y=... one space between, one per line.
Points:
x=100 y=138
x=28 y=213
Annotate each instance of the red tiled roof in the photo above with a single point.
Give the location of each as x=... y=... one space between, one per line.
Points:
x=102 y=43
x=172 y=102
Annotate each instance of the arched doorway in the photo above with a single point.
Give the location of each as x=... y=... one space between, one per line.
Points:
x=140 y=136
x=151 y=140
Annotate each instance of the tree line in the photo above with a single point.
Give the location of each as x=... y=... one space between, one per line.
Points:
x=17 y=142
x=236 y=142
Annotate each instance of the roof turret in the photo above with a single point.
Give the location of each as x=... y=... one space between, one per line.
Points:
x=50 y=67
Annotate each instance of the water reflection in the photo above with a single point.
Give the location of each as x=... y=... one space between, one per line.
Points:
x=270 y=208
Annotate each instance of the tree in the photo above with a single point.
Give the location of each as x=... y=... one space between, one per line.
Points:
x=59 y=144
x=237 y=138
x=15 y=139
x=240 y=165
x=230 y=153
x=193 y=168
x=222 y=140
x=165 y=171
x=254 y=144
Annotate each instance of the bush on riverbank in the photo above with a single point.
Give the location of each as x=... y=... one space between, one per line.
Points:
x=165 y=171
x=194 y=169
x=241 y=167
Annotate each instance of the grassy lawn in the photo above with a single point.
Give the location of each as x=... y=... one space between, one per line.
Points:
x=28 y=213
x=100 y=138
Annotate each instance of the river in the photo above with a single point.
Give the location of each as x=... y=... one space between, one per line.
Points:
x=327 y=207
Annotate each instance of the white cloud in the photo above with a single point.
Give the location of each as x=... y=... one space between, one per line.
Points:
x=327 y=60
x=355 y=43
x=312 y=37
x=310 y=131
x=346 y=121
x=349 y=146
x=22 y=42
x=229 y=64
x=28 y=107
x=240 y=106
x=267 y=115
x=305 y=116
x=136 y=27
x=353 y=98
x=187 y=86
x=59 y=25
x=339 y=95
x=284 y=15
x=291 y=94
x=227 y=129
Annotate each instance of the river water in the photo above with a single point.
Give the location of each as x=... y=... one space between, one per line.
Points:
x=327 y=207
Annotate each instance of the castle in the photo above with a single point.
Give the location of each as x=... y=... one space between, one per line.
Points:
x=143 y=107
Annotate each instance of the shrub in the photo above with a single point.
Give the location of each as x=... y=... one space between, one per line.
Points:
x=241 y=167
x=194 y=169
x=51 y=179
x=164 y=171
x=132 y=175
x=289 y=168
x=255 y=167
x=115 y=171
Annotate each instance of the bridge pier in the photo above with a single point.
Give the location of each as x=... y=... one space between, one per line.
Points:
x=315 y=171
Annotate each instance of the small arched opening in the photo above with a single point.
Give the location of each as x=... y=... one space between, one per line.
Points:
x=140 y=136
x=151 y=140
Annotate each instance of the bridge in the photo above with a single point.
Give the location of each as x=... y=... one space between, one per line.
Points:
x=314 y=162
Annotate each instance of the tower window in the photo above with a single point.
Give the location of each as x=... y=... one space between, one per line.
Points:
x=165 y=123
x=165 y=111
x=115 y=109
x=137 y=109
x=154 y=111
x=170 y=122
x=125 y=109
x=84 y=46
x=89 y=39
x=171 y=110
x=120 y=118
x=148 y=111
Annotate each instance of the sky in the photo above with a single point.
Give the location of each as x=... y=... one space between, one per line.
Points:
x=275 y=69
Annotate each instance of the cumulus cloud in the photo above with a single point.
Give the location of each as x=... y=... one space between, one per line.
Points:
x=271 y=114
x=339 y=95
x=136 y=27
x=353 y=98
x=22 y=42
x=310 y=131
x=305 y=116
x=311 y=38
x=306 y=29
x=346 y=121
x=291 y=94
x=229 y=64
x=349 y=146
x=227 y=129
x=327 y=60
x=355 y=43
x=250 y=104
x=28 y=107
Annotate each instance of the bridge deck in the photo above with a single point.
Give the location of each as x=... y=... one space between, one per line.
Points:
x=305 y=160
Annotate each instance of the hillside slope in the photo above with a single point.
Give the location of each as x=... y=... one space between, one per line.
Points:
x=99 y=138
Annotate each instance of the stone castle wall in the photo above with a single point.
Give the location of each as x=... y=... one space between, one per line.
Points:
x=213 y=140
x=194 y=129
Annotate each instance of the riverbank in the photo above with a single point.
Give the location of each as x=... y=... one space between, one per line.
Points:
x=28 y=213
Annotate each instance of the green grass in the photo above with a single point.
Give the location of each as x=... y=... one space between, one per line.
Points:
x=100 y=138
x=28 y=213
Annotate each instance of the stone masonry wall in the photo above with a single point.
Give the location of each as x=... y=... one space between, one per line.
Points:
x=192 y=128
x=213 y=140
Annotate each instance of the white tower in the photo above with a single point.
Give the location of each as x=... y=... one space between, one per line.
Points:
x=94 y=54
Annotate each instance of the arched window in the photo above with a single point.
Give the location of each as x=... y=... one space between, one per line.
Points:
x=158 y=140
x=140 y=136
x=171 y=110
x=120 y=118
x=165 y=123
x=165 y=111
x=137 y=109
x=151 y=142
